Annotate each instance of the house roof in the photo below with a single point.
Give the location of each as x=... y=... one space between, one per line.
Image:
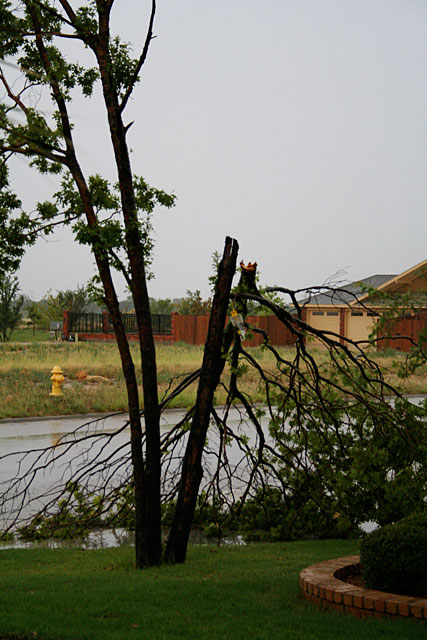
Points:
x=408 y=276
x=347 y=294
x=354 y=292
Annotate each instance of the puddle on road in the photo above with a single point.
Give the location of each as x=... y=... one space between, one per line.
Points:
x=107 y=538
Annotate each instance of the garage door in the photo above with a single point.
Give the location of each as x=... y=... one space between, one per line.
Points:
x=323 y=320
x=359 y=324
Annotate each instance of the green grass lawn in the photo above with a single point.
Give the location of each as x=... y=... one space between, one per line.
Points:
x=231 y=593
x=28 y=335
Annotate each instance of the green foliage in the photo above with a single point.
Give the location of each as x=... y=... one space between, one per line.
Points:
x=46 y=140
x=417 y=519
x=121 y=509
x=193 y=304
x=76 y=514
x=86 y=22
x=52 y=306
x=267 y=515
x=15 y=226
x=216 y=258
x=34 y=315
x=10 y=305
x=212 y=516
x=123 y=66
x=360 y=463
x=273 y=516
x=109 y=236
x=394 y=557
x=160 y=305
x=79 y=511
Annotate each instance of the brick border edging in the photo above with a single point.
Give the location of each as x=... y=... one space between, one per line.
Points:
x=321 y=585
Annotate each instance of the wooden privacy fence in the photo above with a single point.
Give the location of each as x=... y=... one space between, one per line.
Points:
x=396 y=334
x=169 y=328
x=276 y=330
x=194 y=329
x=191 y=329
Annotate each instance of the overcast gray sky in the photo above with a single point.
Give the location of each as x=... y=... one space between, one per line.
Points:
x=296 y=126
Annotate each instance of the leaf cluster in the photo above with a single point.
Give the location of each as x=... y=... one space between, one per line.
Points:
x=53 y=305
x=193 y=304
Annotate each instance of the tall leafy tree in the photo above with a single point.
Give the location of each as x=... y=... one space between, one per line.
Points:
x=113 y=219
x=10 y=305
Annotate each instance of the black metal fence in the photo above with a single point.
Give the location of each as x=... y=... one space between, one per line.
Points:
x=84 y=322
x=93 y=323
x=161 y=323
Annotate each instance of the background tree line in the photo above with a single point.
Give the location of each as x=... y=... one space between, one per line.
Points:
x=17 y=309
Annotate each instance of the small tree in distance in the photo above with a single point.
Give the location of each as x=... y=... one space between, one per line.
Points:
x=193 y=304
x=161 y=305
x=52 y=306
x=10 y=305
x=34 y=315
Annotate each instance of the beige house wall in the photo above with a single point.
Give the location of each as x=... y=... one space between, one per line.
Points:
x=325 y=319
x=357 y=321
x=359 y=324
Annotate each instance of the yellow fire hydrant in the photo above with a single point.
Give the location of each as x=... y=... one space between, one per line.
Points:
x=57 y=380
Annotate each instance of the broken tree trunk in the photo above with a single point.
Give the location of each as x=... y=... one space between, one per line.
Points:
x=212 y=367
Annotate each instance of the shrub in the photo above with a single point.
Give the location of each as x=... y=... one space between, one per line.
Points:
x=417 y=519
x=394 y=557
x=273 y=517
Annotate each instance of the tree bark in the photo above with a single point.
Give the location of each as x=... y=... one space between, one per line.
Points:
x=212 y=367
x=128 y=369
x=151 y=542
x=129 y=373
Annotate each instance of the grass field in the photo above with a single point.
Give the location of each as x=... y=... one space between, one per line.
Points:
x=94 y=380
x=229 y=593
x=27 y=335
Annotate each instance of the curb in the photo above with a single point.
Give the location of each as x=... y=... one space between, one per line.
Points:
x=322 y=584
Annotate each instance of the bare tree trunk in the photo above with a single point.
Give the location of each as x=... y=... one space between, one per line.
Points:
x=212 y=367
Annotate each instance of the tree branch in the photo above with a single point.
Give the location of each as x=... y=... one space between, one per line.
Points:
x=11 y=95
x=58 y=34
x=68 y=10
x=18 y=148
x=57 y=94
x=142 y=58
x=52 y=11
